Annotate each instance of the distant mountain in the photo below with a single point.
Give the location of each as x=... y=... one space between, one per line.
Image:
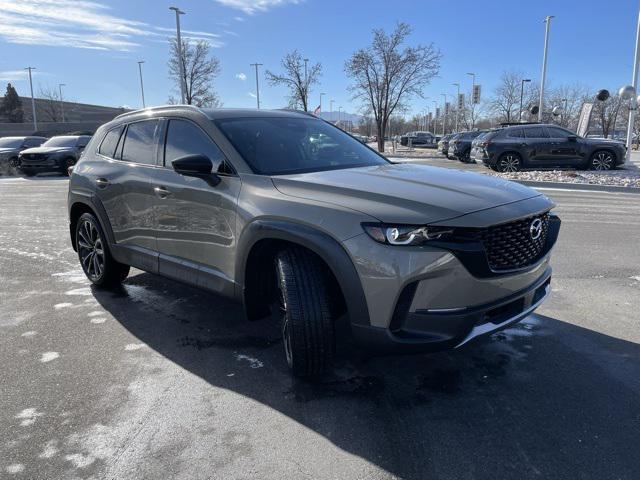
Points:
x=344 y=116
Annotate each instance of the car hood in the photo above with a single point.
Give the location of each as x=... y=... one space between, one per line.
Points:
x=404 y=193
x=48 y=150
x=603 y=141
x=5 y=150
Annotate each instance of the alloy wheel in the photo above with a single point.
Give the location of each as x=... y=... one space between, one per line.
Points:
x=602 y=161
x=510 y=163
x=91 y=250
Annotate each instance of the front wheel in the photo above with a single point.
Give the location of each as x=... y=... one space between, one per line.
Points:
x=466 y=157
x=93 y=251
x=509 y=162
x=307 y=324
x=601 y=160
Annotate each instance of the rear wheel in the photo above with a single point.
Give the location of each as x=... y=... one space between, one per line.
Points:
x=601 y=160
x=307 y=324
x=28 y=173
x=66 y=163
x=466 y=157
x=509 y=162
x=95 y=257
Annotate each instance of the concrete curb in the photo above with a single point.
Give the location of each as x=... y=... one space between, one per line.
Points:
x=580 y=186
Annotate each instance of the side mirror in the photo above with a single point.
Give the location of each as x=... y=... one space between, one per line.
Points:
x=196 y=166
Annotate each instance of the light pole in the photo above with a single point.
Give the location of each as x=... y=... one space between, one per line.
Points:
x=435 y=116
x=634 y=83
x=256 y=65
x=140 y=62
x=547 y=22
x=183 y=87
x=473 y=105
x=458 y=106
x=444 y=117
x=331 y=109
x=522 y=82
x=564 y=110
x=60 y=85
x=339 y=115
x=321 y=101
x=33 y=100
x=306 y=86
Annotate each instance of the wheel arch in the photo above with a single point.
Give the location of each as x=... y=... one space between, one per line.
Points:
x=263 y=238
x=79 y=204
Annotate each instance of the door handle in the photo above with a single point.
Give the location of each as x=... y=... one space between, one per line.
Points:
x=102 y=182
x=161 y=192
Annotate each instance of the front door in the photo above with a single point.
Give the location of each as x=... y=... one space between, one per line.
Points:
x=565 y=149
x=538 y=145
x=194 y=220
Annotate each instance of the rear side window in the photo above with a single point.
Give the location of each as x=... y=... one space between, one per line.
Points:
x=110 y=142
x=536 y=132
x=33 y=142
x=515 y=133
x=83 y=141
x=184 y=138
x=140 y=142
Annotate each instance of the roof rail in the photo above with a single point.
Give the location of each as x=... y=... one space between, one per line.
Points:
x=515 y=124
x=159 y=107
x=295 y=110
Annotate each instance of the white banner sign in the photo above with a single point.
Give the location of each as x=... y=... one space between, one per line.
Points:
x=585 y=119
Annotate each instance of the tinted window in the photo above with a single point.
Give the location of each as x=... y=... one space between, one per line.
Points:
x=515 y=133
x=555 y=132
x=185 y=138
x=33 y=142
x=535 y=132
x=61 y=142
x=110 y=141
x=83 y=141
x=282 y=145
x=140 y=142
x=10 y=142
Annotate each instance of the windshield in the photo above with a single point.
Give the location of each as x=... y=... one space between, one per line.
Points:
x=10 y=142
x=61 y=142
x=280 y=145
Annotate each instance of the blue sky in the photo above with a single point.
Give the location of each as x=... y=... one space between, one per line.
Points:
x=93 y=45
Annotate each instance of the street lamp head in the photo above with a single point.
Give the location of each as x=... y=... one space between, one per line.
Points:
x=526 y=80
x=140 y=62
x=471 y=73
x=456 y=84
x=627 y=92
x=177 y=10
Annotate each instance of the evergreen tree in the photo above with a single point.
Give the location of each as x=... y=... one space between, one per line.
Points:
x=12 y=105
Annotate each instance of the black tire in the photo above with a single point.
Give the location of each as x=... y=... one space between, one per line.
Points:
x=66 y=163
x=466 y=157
x=509 y=162
x=602 y=160
x=307 y=324
x=91 y=242
x=28 y=173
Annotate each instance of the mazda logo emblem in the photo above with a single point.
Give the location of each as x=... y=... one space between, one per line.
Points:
x=536 y=229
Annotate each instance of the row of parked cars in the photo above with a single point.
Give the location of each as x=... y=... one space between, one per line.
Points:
x=514 y=147
x=30 y=155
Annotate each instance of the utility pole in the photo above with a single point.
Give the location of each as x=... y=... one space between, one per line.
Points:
x=435 y=117
x=524 y=80
x=33 y=100
x=321 y=101
x=331 y=109
x=306 y=85
x=60 y=85
x=634 y=82
x=547 y=22
x=183 y=87
x=141 y=84
x=444 y=118
x=458 y=106
x=256 y=65
x=473 y=105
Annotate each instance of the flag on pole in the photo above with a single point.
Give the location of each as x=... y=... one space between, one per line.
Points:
x=317 y=110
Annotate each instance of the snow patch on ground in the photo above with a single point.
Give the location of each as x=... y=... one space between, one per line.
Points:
x=253 y=362
x=60 y=306
x=15 y=468
x=74 y=276
x=134 y=346
x=615 y=178
x=80 y=460
x=28 y=416
x=49 y=356
x=79 y=291
x=30 y=333
x=98 y=320
x=49 y=450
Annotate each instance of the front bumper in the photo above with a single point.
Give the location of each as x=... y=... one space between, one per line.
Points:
x=425 y=330
x=40 y=165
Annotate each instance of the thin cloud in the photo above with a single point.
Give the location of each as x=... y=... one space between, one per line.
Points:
x=70 y=23
x=241 y=76
x=251 y=94
x=252 y=6
x=12 y=75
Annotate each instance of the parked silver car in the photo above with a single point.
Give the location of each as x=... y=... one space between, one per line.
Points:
x=248 y=204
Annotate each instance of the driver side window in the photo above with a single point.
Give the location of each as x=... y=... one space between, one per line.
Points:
x=184 y=138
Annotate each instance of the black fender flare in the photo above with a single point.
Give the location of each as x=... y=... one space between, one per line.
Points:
x=91 y=201
x=322 y=244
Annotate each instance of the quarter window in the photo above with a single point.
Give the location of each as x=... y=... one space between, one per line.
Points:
x=515 y=133
x=140 y=142
x=184 y=138
x=110 y=141
x=535 y=132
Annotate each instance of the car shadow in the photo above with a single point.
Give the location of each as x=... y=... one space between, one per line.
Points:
x=545 y=399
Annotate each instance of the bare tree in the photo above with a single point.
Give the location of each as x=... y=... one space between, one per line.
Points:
x=606 y=114
x=570 y=98
x=200 y=69
x=51 y=103
x=506 y=101
x=386 y=76
x=297 y=77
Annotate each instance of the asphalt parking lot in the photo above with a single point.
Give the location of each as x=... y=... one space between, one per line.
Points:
x=159 y=380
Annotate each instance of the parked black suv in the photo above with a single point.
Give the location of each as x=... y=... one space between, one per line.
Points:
x=10 y=148
x=460 y=146
x=419 y=139
x=546 y=146
x=55 y=155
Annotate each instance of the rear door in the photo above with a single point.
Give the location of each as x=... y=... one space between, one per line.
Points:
x=123 y=186
x=194 y=220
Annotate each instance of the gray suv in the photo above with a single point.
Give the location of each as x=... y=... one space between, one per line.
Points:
x=296 y=219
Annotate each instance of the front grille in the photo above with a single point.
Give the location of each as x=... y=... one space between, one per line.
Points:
x=34 y=156
x=512 y=245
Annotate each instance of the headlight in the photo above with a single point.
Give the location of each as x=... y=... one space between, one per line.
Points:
x=405 y=234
